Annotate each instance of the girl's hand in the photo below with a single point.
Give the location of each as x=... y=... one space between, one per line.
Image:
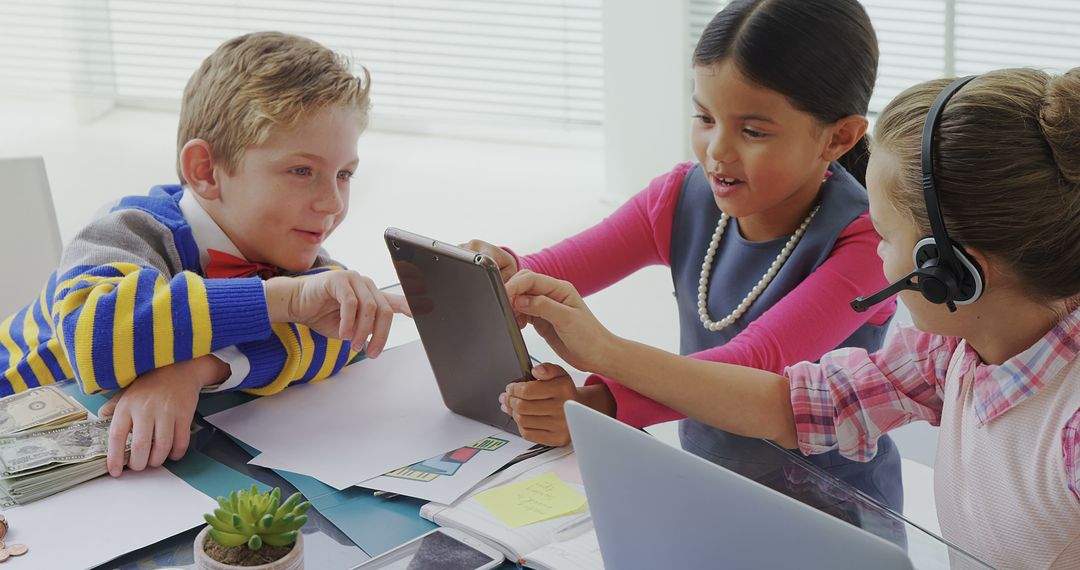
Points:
x=506 y=262
x=555 y=309
x=537 y=405
x=157 y=409
x=336 y=304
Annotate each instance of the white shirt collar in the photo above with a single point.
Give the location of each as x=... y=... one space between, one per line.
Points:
x=205 y=231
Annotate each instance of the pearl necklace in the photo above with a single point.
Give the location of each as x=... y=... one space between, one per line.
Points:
x=706 y=269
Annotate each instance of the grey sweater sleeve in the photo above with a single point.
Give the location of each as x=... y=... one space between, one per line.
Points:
x=124 y=236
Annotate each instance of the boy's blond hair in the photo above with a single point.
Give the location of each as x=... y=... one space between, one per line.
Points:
x=259 y=81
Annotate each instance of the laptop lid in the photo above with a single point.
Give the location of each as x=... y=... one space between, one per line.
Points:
x=656 y=506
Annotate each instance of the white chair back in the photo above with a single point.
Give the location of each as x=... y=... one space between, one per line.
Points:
x=30 y=243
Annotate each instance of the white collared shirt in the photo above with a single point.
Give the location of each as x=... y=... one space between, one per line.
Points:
x=208 y=235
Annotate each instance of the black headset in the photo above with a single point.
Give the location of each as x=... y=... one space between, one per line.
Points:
x=944 y=275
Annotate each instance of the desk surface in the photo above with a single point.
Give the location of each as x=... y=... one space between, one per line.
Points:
x=327 y=547
x=324 y=545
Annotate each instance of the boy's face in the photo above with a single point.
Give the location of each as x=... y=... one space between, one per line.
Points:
x=289 y=193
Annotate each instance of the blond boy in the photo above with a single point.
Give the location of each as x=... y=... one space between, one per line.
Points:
x=178 y=292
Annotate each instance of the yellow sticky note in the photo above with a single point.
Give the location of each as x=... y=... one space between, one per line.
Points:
x=532 y=501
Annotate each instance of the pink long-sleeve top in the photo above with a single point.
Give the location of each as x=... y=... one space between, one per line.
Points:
x=810 y=321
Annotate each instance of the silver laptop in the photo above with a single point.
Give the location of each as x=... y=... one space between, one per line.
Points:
x=657 y=506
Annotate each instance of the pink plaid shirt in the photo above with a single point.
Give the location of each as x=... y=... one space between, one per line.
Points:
x=850 y=398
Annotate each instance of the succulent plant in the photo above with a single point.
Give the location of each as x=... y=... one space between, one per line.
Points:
x=253 y=518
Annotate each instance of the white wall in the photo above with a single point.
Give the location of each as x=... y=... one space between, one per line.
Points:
x=646 y=90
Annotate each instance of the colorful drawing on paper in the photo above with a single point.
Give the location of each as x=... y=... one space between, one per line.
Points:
x=446 y=464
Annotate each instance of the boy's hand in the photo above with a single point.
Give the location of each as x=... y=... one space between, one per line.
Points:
x=537 y=405
x=506 y=262
x=336 y=304
x=555 y=309
x=157 y=409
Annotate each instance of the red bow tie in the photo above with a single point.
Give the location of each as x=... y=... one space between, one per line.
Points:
x=224 y=265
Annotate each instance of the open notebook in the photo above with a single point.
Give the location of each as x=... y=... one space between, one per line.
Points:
x=563 y=543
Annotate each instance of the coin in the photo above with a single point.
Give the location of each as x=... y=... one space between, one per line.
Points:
x=4 y=555
x=17 y=549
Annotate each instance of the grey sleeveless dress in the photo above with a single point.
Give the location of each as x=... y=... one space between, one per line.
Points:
x=737 y=267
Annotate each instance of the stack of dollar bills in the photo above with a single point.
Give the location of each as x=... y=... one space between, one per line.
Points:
x=46 y=445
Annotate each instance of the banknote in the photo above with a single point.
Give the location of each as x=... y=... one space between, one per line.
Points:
x=74 y=443
x=36 y=465
x=38 y=409
x=50 y=482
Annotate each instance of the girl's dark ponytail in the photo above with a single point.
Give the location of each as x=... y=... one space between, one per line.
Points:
x=855 y=160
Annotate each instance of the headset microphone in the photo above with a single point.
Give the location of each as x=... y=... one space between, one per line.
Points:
x=861 y=304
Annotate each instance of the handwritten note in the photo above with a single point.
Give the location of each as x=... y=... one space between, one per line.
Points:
x=532 y=501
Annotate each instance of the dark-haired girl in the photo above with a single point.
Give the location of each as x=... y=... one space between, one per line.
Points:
x=767 y=235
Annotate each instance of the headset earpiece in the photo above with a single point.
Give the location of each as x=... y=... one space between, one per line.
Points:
x=944 y=276
x=940 y=285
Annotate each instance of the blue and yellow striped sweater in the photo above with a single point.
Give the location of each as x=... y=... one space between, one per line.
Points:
x=129 y=297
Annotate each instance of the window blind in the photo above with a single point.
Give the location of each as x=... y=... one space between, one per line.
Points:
x=925 y=39
x=485 y=61
x=1033 y=33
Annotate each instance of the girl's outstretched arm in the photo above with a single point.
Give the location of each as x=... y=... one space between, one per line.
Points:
x=812 y=319
x=741 y=400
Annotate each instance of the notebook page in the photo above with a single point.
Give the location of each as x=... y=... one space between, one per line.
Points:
x=563 y=457
x=475 y=518
x=579 y=553
x=471 y=516
x=562 y=462
x=429 y=510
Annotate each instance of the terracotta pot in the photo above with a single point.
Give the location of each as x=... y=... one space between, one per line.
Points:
x=294 y=560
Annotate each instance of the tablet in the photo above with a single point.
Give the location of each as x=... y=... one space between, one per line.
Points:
x=465 y=323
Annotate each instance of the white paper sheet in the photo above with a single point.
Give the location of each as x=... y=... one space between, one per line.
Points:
x=372 y=417
x=449 y=475
x=101 y=519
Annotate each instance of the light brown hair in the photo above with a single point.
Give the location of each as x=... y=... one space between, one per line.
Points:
x=1007 y=165
x=260 y=81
